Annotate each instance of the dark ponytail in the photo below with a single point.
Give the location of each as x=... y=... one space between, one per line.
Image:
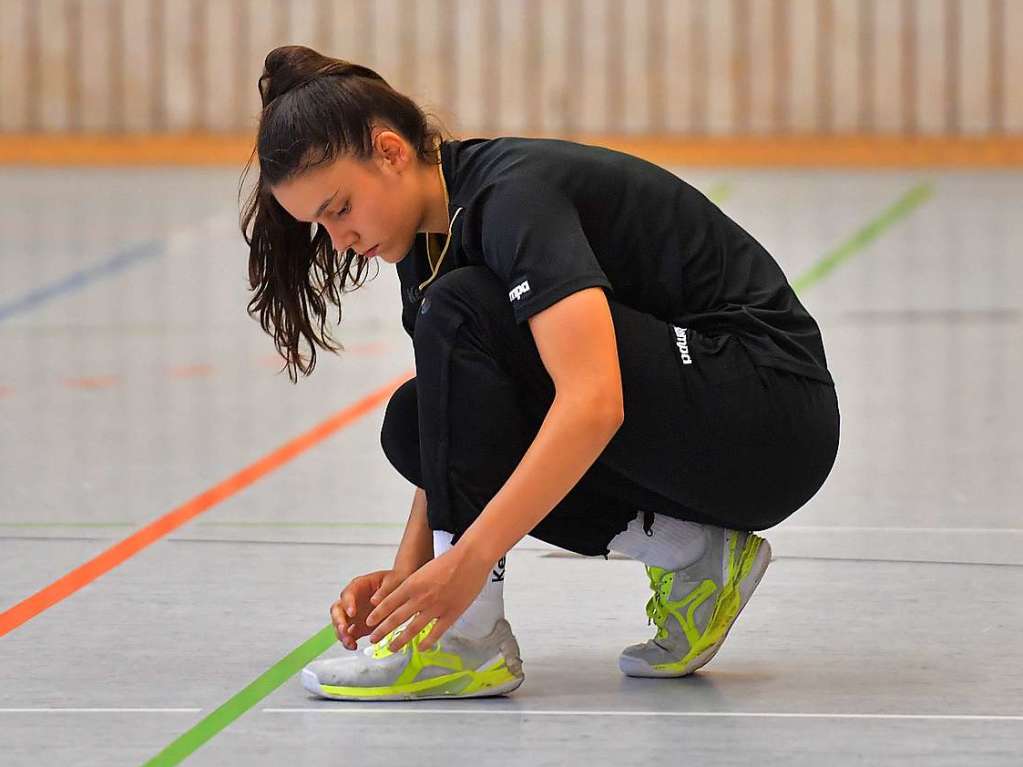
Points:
x=315 y=110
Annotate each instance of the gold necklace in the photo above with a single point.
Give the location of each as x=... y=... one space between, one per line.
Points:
x=447 y=205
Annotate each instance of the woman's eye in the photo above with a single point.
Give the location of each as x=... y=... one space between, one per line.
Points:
x=344 y=210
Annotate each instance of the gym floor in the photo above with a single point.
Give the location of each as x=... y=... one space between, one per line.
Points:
x=133 y=385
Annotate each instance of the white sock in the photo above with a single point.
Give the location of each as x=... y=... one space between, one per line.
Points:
x=482 y=615
x=672 y=544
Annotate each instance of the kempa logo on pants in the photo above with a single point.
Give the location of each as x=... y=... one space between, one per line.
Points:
x=518 y=291
x=683 y=345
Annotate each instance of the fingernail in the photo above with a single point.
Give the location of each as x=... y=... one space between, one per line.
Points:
x=350 y=611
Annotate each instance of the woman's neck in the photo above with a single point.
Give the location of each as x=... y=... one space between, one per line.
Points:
x=435 y=214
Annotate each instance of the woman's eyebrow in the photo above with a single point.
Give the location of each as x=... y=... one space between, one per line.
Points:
x=325 y=203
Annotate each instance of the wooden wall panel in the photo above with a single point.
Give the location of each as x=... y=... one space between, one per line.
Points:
x=48 y=102
x=846 y=68
x=931 y=81
x=974 y=67
x=1013 y=67
x=592 y=74
x=469 y=107
x=556 y=70
x=678 y=75
x=760 y=60
x=801 y=85
x=14 y=53
x=89 y=84
x=512 y=65
x=634 y=71
x=887 y=105
x=721 y=57
x=223 y=51
x=691 y=67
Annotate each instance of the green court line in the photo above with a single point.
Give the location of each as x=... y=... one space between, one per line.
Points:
x=720 y=192
x=273 y=678
x=325 y=639
x=898 y=210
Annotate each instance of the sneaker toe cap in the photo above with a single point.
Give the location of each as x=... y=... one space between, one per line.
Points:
x=649 y=653
x=355 y=670
x=310 y=681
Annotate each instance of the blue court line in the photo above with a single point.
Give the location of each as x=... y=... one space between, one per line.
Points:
x=130 y=256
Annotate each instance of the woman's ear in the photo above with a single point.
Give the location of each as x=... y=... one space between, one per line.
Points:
x=392 y=149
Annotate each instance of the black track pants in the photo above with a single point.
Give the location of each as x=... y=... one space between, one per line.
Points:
x=707 y=437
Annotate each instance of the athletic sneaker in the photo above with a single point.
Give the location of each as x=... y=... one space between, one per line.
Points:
x=457 y=666
x=694 y=607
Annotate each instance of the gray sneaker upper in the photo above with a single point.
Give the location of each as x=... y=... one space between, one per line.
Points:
x=361 y=669
x=696 y=587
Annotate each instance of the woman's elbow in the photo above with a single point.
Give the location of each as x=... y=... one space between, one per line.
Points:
x=605 y=410
x=614 y=411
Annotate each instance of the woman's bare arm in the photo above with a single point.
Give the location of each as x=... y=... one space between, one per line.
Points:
x=576 y=340
x=416 y=547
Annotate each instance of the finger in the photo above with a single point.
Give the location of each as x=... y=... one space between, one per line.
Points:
x=388 y=605
x=395 y=619
x=348 y=603
x=341 y=625
x=414 y=627
x=342 y=622
x=381 y=593
x=337 y=616
x=431 y=639
x=344 y=627
x=387 y=586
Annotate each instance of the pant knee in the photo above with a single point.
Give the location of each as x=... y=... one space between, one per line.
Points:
x=469 y=295
x=399 y=435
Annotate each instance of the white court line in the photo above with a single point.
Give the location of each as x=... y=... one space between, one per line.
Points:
x=854 y=529
x=583 y=712
x=532 y=712
x=100 y=710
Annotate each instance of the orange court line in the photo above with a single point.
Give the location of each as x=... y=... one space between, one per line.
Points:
x=805 y=150
x=92 y=382
x=154 y=531
x=191 y=371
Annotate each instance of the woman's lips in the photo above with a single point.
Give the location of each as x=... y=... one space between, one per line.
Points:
x=371 y=252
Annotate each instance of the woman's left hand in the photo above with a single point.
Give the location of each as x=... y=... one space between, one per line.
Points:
x=442 y=588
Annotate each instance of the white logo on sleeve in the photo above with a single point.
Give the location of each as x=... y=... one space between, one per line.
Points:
x=683 y=345
x=518 y=291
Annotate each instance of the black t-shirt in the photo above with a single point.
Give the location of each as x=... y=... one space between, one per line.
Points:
x=552 y=217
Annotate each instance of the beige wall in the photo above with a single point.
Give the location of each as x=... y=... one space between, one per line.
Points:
x=690 y=67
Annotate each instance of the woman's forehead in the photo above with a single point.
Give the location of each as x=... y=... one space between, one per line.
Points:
x=307 y=195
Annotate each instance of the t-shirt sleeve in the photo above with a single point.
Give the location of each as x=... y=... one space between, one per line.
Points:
x=534 y=241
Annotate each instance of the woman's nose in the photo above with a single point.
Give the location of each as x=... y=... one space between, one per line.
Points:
x=340 y=240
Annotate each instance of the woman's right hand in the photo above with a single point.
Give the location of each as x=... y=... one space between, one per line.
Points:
x=357 y=601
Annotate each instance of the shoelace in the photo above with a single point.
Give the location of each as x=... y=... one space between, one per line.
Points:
x=382 y=648
x=656 y=610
